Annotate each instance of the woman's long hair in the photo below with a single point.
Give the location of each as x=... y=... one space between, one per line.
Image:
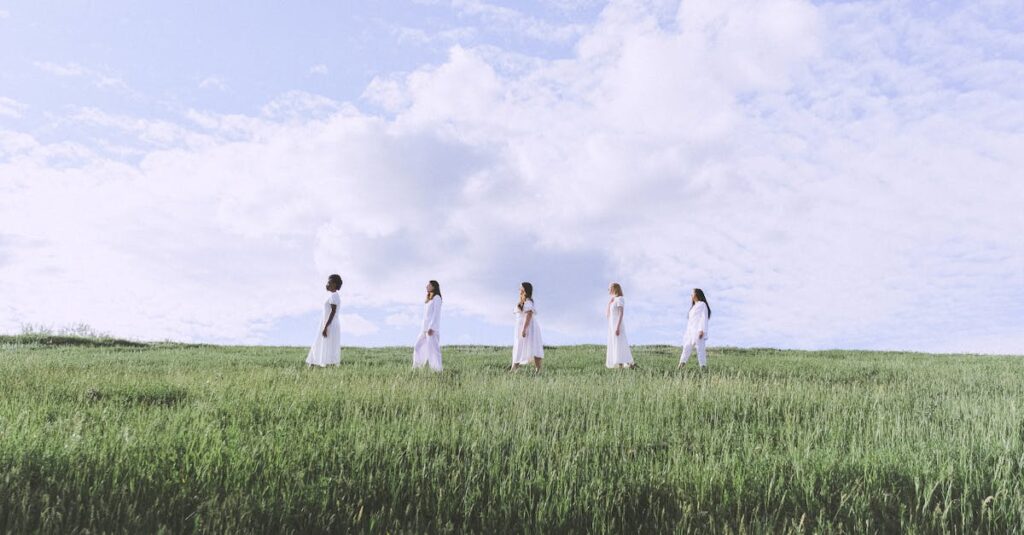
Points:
x=617 y=289
x=435 y=290
x=527 y=294
x=700 y=297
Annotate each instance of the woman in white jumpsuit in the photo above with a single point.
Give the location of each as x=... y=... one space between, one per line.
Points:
x=696 y=329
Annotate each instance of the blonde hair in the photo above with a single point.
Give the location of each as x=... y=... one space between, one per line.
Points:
x=617 y=289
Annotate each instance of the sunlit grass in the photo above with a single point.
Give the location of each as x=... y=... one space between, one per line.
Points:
x=114 y=437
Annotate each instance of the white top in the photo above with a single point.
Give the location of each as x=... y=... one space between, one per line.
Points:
x=432 y=315
x=618 y=304
x=697 y=322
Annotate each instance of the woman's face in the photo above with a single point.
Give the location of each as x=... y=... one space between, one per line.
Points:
x=522 y=292
x=428 y=287
x=693 y=297
x=611 y=290
x=330 y=286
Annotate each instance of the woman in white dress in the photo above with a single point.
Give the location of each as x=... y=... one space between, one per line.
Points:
x=427 y=350
x=527 y=348
x=696 y=329
x=326 y=350
x=619 y=355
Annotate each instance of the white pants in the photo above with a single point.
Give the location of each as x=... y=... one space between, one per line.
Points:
x=702 y=356
x=427 y=352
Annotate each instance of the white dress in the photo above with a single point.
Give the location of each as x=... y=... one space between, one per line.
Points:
x=326 y=350
x=525 y=348
x=427 y=350
x=618 y=346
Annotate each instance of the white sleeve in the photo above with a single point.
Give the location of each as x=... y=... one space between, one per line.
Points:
x=435 y=314
x=335 y=299
x=427 y=312
x=528 y=306
x=620 y=302
x=702 y=311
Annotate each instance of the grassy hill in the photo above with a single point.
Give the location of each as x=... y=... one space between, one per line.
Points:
x=127 y=437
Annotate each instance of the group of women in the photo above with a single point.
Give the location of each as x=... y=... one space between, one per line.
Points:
x=527 y=346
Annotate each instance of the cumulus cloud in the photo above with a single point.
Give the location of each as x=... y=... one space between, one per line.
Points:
x=356 y=325
x=828 y=177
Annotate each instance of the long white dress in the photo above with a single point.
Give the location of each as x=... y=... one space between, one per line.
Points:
x=326 y=350
x=525 y=348
x=696 y=322
x=427 y=350
x=618 y=346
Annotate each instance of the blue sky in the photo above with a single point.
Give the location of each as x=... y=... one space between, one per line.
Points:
x=833 y=174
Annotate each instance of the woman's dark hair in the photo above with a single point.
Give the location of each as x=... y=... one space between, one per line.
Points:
x=336 y=279
x=435 y=290
x=528 y=294
x=700 y=297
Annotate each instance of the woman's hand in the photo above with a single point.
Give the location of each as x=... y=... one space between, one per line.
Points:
x=524 y=333
x=617 y=332
x=700 y=335
x=430 y=332
x=325 y=331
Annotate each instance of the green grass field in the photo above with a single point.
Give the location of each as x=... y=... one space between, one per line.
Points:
x=100 y=436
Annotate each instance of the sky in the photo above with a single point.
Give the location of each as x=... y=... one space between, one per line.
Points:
x=831 y=174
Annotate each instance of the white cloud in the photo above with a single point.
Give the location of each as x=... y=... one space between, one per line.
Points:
x=419 y=36
x=213 y=82
x=407 y=317
x=56 y=69
x=319 y=68
x=11 y=108
x=514 y=21
x=147 y=131
x=99 y=79
x=386 y=92
x=824 y=174
x=356 y=325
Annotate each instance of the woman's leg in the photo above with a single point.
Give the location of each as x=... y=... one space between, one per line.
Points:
x=702 y=355
x=419 y=357
x=435 y=353
x=685 y=356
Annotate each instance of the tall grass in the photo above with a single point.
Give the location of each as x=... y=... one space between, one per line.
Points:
x=150 y=438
